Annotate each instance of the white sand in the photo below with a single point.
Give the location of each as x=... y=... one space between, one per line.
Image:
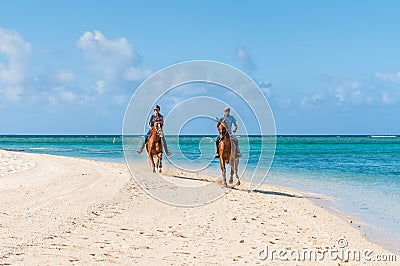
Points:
x=11 y=162
x=63 y=211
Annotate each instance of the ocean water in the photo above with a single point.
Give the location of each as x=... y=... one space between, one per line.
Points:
x=360 y=173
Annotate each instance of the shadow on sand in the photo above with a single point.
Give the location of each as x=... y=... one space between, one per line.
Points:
x=276 y=193
x=265 y=192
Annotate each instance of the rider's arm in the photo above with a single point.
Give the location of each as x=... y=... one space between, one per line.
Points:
x=148 y=122
x=234 y=127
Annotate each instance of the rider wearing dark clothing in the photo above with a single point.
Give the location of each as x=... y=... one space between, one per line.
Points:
x=154 y=118
x=159 y=118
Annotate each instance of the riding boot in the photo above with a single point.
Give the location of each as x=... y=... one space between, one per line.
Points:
x=141 y=148
x=165 y=146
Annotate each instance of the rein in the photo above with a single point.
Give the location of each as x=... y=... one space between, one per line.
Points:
x=224 y=134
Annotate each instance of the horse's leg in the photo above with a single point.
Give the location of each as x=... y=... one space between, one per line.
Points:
x=231 y=177
x=237 y=149
x=236 y=170
x=223 y=169
x=159 y=162
x=232 y=161
x=222 y=162
x=224 y=177
x=151 y=159
x=235 y=161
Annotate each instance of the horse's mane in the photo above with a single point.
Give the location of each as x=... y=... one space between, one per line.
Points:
x=224 y=130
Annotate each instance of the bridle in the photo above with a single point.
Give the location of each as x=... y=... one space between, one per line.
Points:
x=226 y=133
x=158 y=129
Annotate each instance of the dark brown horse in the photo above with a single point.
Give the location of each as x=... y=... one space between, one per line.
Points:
x=154 y=147
x=227 y=152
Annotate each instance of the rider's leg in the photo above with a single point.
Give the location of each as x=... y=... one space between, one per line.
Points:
x=237 y=148
x=164 y=143
x=144 y=142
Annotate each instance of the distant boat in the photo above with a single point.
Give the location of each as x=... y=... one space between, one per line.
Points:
x=383 y=136
x=114 y=140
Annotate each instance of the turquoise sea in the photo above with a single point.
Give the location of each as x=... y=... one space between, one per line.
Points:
x=360 y=173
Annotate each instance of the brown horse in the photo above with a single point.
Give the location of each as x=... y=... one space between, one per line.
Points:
x=154 y=147
x=227 y=152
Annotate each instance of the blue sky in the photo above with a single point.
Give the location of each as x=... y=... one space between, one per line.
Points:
x=326 y=67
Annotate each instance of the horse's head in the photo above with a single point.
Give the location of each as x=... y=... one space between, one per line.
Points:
x=157 y=128
x=222 y=126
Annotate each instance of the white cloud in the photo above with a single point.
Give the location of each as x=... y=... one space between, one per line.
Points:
x=52 y=100
x=18 y=52
x=137 y=74
x=285 y=102
x=13 y=93
x=64 y=76
x=120 y=99
x=347 y=90
x=339 y=94
x=266 y=91
x=357 y=96
x=100 y=87
x=310 y=101
x=391 y=77
x=265 y=87
x=245 y=59
x=242 y=53
x=387 y=98
x=108 y=58
x=68 y=96
x=113 y=62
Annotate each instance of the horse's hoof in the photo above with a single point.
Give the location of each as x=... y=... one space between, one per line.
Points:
x=159 y=170
x=231 y=180
x=154 y=170
x=225 y=184
x=238 y=183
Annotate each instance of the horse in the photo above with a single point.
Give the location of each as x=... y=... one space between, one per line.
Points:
x=154 y=147
x=227 y=152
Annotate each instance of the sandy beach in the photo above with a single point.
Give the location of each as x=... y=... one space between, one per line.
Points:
x=63 y=211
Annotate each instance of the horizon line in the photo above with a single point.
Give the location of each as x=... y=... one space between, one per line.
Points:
x=249 y=135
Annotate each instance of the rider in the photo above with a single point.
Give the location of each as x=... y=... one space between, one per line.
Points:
x=156 y=117
x=229 y=119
